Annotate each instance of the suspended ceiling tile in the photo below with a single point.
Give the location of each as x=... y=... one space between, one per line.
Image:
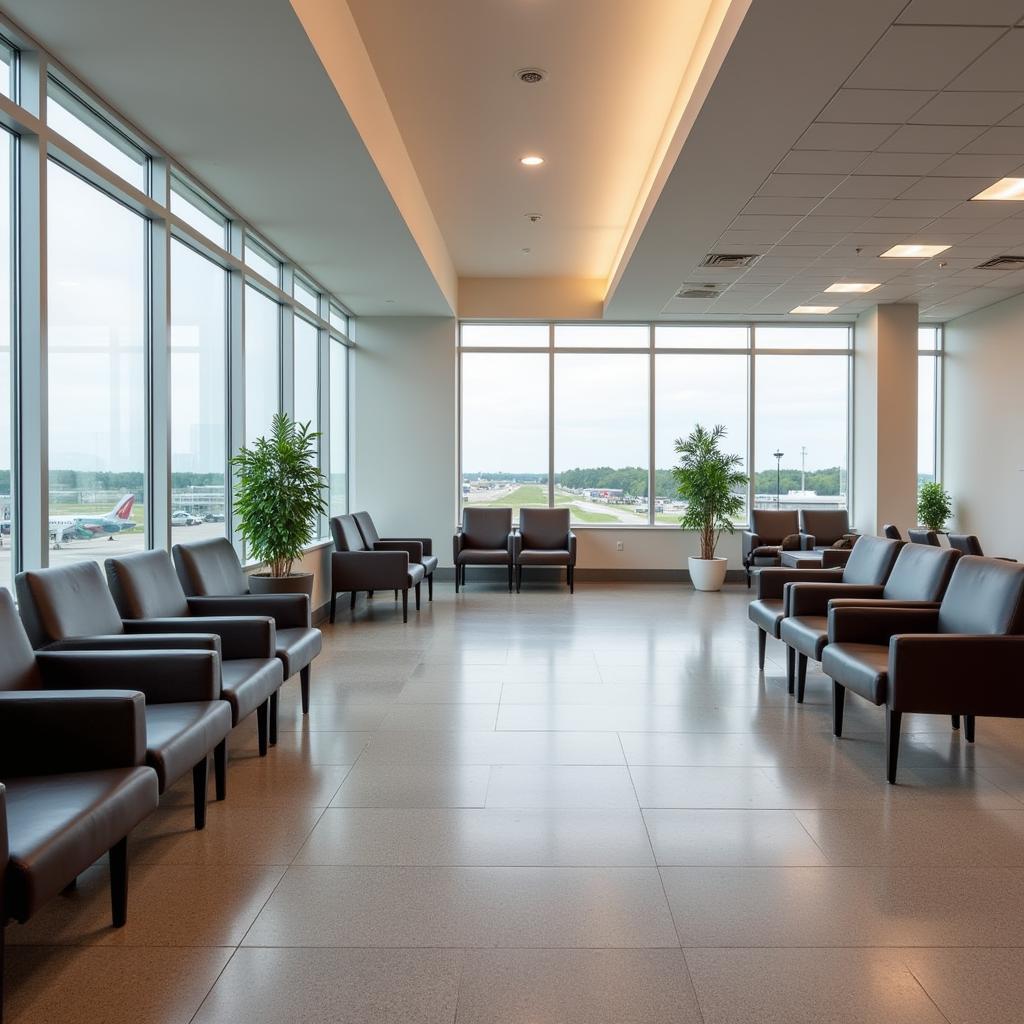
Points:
x=818 y=161
x=855 y=137
x=977 y=108
x=999 y=68
x=772 y=223
x=798 y=205
x=946 y=188
x=917 y=208
x=869 y=186
x=986 y=165
x=929 y=138
x=813 y=185
x=824 y=238
x=849 y=207
x=959 y=12
x=822 y=223
x=874 y=106
x=1008 y=139
x=900 y=163
x=893 y=225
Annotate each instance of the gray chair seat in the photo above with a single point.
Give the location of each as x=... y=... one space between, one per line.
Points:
x=429 y=564
x=55 y=821
x=863 y=668
x=297 y=647
x=531 y=557
x=767 y=614
x=482 y=556
x=807 y=634
x=247 y=683
x=179 y=736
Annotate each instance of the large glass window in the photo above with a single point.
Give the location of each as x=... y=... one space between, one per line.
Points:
x=928 y=368
x=505 y=335
x=194 y=210
x=505 y=429
x=6 y=362
x=339 y=429
x=801 y=409
x=260 y=260
x=602 y=439
x=262 y=363
x=307 y=374
x=198 y=395
x=97 y=387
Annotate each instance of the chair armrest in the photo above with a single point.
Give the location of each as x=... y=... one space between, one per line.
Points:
x=878 y=602
x=951 y=673
x=51 y=732
x=875 y=624
x=515 y=540
x=163 y=677
x=806 y=541
x=835 y=558
x=458 y=543
x=813 y=598
x=572 y=548
x=772 y=581
x=289 y=611
x=369 y=570
x=241 y=636
x=413 y=548
x=748 y=541
x=427 y=542
x=139 y=642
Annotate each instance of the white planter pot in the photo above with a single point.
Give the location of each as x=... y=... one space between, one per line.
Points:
x=708 y=573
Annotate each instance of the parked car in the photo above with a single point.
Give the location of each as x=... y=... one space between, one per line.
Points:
x=214 y=517
x=184 y=519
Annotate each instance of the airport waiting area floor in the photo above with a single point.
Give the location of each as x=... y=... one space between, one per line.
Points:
x=544 y=808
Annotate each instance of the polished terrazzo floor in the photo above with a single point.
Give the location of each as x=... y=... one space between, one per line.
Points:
x=544 y=808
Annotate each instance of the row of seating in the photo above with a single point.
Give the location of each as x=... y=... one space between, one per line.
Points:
x=111 y=690
x=965 y=543
x=913 y=627
x=773 y=531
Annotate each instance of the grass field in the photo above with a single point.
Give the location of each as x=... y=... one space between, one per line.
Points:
x=537 y=495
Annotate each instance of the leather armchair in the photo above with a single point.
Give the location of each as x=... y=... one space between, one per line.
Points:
x=211 y=575
x=892 y=532
x=762 y=543
x=544 y=538
x=420 y=549
x=919 y=576
x=185 y=718
x=968 y=544
x=822 y=527
x=485 y=538
x=355 y=567
x=71 y=607
x=960 y=658
x=929 y=537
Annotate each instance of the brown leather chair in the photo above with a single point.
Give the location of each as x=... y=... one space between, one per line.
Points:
x=968 y=544
x=75 y=781
x=209 y=570
x=962 y=658
x=72 y=606
x=354 y=567
x=421 y=549
x=822 y=527
x=929 y=537
x=544 y=538
x=762 y=543
x=919 y=576
x=484 y=539
x=186 y=720
x=892 y=532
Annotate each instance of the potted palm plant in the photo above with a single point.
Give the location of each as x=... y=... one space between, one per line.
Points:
x=933 y=506
x=708 y=480
x=278 y=497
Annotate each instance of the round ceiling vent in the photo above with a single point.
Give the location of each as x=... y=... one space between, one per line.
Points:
x=531 y=76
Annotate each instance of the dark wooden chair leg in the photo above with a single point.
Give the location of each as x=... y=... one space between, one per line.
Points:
x=220 y=769
x=463 y=575
x=352 y=602
x=430 y=587
x=956 y=721
x=458 y=573
x=261 y=726
x=790 y=669
x=892 y=742
x=396 y=595
x=511 y=576
x=272 y=719
x=119 y=882
x=801 y=677
x=369 y=595
x=969 y=728
x=405 y=605
x=334 y=602
x=418 y=585
x=304 y=674
x=762 y=646
x=572 y=579
x=199 y=779
x=838 y=704
x=747 y=568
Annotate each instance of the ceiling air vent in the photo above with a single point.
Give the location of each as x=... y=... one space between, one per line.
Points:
x=1001 y=262
x=729 y=260
x=698 y=291
x=531 y=76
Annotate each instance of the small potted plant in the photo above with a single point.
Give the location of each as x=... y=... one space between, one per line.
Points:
x=278 y=497
x=708 y=480
x=934 y=506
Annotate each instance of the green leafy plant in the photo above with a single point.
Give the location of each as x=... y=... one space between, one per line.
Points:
x=279 y=494
x=934 y=506
x=708 y=480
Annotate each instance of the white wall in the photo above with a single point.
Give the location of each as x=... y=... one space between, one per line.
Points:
x=983 y=434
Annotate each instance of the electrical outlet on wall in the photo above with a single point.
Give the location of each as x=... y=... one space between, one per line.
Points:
x=618 y=545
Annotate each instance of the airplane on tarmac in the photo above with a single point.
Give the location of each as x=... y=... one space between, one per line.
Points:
x=117 y=520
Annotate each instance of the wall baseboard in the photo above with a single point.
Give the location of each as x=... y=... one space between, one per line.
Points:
x=586 y=575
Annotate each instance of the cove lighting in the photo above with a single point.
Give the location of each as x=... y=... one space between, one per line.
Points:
x=813 y=309
x=851 y=286
x=531 y=161
x=1004 y=188
x=912 y=252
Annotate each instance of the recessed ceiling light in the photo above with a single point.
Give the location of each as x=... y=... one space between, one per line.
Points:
x=813 y=309
x=911 y=252
x=1005 y=188
x=851 y=286
x=531 y=161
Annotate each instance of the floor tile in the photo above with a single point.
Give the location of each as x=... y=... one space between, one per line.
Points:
x=451 y=692
x=705 y=787
x=493 y=748
x=445 y=717
x=561 y=786
x=414 y=785
x=262 y=781
x=972 y=985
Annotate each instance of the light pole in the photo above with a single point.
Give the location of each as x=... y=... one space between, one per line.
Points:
x=803 y=468
x=778 y=478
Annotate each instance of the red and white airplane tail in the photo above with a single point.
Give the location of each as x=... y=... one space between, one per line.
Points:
x=123 y=509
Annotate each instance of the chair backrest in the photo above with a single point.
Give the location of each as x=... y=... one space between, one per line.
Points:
x=921 y=573
x=827 y=525
x=486 y=528
x=544 y=529
x=966 y=544
x=71 y=600
x=892 y=532
x=871 y=561
x=145 y=586
x=18 y=669
x=346 y=534
x=364 y=521
x=929 y=537
x=209 y=568
x=985 y=596
x=772 y=526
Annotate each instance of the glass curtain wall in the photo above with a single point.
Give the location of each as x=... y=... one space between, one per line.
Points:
x=7 y=503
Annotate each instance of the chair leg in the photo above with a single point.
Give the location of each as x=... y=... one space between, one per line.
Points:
x=790 y=669
x=334 y=602
x=747 y=568
x=352 y=602
x=220 y=769
x=272 y=719
x=119 y=882
x=304 y=674
x=801 y=677
x=369 y=595
x=956 y=721
x=405 y=605
x=969 y=728
x=396 y=595
x=838 y=704
x=892 y=743
x=519 y=578
x=430 y=587
x=3 y=934
x=572 y=579
x=511 y=576
x=71 y=887
x=261 y=726
x=762 y=646
x=463 y=575
x=418 y=585
x=199 y=778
